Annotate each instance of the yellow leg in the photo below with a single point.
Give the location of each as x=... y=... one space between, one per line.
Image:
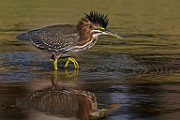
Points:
x=75 y=62
x=55 y=63
x=76 y=65
x=67 y=63
x=51 y=60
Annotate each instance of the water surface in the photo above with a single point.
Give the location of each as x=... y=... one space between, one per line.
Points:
x=139 y=75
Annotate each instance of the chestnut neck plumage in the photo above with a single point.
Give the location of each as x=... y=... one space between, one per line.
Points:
x=86 y=38
x=84 y=28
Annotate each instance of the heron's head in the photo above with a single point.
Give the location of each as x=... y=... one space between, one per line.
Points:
x=96 y=24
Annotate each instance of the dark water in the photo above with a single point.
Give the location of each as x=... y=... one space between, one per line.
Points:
x=137 y=78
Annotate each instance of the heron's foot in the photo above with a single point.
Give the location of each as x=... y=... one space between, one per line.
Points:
x=73 y=60
x=67 y=59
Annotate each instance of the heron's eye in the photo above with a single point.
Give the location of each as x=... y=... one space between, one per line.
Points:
x=101 y=28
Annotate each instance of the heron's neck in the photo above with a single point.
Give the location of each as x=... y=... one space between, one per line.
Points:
x=84 y=29
x=85 y=45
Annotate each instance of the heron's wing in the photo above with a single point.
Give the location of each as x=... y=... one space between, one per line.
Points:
x=58 y=38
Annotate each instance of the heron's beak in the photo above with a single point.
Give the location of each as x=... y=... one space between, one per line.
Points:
x=113 y=34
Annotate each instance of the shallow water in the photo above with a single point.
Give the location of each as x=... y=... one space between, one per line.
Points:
x=139 y=75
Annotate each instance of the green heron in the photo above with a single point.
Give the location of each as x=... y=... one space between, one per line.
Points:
x=63 y=40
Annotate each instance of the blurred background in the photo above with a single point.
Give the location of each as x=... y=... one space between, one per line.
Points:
x=140 y=75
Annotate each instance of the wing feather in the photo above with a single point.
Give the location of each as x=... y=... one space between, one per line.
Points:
x=58 y=38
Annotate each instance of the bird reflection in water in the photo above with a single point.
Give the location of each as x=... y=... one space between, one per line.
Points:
x=62 y=101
